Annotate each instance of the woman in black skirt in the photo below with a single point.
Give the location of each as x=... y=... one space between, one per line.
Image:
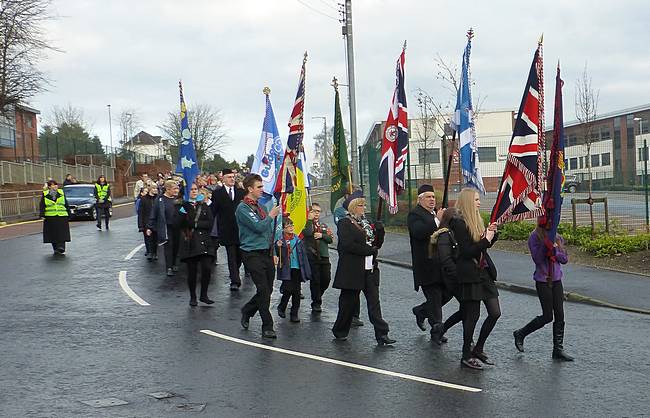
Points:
x=476 y=275
x=54 y=210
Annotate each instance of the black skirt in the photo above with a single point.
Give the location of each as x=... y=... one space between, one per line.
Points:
x=483 y=290
x=56 y=229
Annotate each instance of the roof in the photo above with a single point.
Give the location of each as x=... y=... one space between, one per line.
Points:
x=26 y=108
x=144 y=138
x=603 y=116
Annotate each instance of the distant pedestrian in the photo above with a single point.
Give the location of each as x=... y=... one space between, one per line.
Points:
x=147 y=200
x=68 y=180
x=164 y=221
x=293 y=269
x=317 y=237
x=103 y=201
x=197 y=248
x=54 y=209
x=224 y=202
x=142 y=182
x=548 y=258
x=256 y=230
x=357 y=270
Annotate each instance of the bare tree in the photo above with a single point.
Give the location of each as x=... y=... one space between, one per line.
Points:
x=22 y=46
x=128 y=122
x=70 y=115
x=323 y=153
x=206 y=126
x=586 y=102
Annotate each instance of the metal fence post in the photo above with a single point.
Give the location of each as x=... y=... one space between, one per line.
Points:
x=645 y=184
x=573 y=210
x=606 y=216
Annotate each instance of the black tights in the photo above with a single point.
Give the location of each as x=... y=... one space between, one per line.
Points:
x=192 y=270
x=494 y=312
x=552 y=300
x=470 y=311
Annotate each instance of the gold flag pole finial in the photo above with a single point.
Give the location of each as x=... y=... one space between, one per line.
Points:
x=541 y=39
x=404 y=47
x=266 y=91
x=304 y=60
x=335 y=83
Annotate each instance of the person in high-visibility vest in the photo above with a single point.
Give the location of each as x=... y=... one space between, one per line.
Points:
x=54 y=210
x=103 y=201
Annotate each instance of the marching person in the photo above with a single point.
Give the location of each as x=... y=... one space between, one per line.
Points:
x=147 y=202
x=548 y=282
x=54 y=209
x=476 y=275
x=103 y=201
x=256 y=229
x=225 y=200
x=142 y=182
x=293 y=269
x=198 y=249
x=422 y=223
x=357 y=270
x=317 y=237
x=164 y=222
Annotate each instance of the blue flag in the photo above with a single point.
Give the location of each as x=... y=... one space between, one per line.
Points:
x=270 y=151
x=463 y=123
x=187 y=161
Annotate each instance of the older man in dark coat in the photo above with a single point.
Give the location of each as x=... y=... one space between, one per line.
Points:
x=422 y=222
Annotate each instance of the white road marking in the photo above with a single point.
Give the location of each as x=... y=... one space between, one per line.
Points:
x=343 y=363
x=133 y=251
x=129 y=291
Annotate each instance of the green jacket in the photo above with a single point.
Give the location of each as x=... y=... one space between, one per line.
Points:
x=255 y=233
x=317 y=249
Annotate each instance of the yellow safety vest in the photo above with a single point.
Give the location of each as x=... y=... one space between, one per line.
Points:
x=102 y=191
x=55 y=208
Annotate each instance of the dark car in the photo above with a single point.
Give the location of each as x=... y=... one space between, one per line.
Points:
x=571 y=183
x=81 y=200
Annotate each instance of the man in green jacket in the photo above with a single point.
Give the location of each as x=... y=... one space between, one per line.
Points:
x=317 y=237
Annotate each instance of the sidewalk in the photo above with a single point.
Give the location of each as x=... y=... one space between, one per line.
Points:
x=581 y=284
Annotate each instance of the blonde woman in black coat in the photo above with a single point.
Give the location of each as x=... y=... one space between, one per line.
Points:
x=358 y=242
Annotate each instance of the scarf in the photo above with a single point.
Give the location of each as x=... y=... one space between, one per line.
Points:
x=256 y=208
x=366 y=227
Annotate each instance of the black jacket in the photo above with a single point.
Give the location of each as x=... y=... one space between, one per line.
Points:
x=469 y=252
x=144 y=211
x=223 y=208
x=353 y=249
x=421 y=225
x=444 y=249
x=195 y=231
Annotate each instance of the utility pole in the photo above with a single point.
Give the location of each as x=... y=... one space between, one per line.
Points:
x=347 y=32
x=110 y=133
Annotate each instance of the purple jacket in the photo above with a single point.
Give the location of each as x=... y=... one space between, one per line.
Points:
x=538 y=253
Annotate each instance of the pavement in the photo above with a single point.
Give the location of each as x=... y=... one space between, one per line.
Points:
x=601 y=287
x=71 y=334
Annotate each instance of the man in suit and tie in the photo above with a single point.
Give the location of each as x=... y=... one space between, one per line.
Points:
x=224 y=202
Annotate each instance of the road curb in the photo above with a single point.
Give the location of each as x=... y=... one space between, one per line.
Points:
x=570 y=296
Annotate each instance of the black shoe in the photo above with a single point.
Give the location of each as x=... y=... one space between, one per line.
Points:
x=175 y=268
x=294 y=318
x=170 y=272
x=206 y=300
x=315 y=307
x=244 y=321
x=107 y=227
x=269 y=333
x=419 y=319
x=302 y=296
x=471 y=363
x=99 y=227
x=149 y=256
x=483 y=357
x=519 y=340
x=561 y=355
x=341 y=338
x=281 y=313
x=385 y=340
x=155 y=257
x=193 y=302
x=234 y=287
x=356 y=322
x=558 y=343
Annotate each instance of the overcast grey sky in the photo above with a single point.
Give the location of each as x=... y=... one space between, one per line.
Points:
x=131 y=54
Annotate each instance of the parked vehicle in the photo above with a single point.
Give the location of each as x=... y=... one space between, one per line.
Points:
x=571 y=183
x=81 y=200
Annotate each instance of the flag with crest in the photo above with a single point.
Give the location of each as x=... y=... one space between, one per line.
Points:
x=394 y=143
x=519 y=195
x=187 y=161
x=268 y=157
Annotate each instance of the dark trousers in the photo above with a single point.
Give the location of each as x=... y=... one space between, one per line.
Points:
x=260 y=264
x=172 y=245
x=321 y=275
x=151 y=243
x=290 y=289
x=552 y=300
x=349 y=303
x=99 y=211
x=193 y=264
x=234 y=263
x=436 y=298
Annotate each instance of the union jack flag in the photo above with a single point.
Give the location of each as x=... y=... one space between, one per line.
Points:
x=395 y=142
x=286 y=181
x=519 y=194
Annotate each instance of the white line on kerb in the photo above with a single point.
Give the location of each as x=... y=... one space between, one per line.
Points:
x=129 y=291
x=343 y=363
x=133 y=251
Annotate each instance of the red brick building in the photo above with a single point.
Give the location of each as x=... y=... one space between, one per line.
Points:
x=19 y=134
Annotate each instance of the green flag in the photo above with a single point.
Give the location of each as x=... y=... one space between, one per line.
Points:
x=340 y=164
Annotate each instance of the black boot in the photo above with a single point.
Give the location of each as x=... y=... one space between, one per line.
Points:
x=437 y=331
x=530 y=327
x=558 y=343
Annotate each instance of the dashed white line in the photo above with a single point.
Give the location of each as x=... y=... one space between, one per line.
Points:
x=133 y=251
x=129 y=291
x=344 y=363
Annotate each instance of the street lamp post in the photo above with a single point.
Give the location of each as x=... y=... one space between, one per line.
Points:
x=110 y=134
x=645 y=175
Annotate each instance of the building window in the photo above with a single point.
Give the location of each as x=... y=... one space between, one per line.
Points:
x=429 y=155
x=641 y=154
x=605 y=159
x=487 y=154
x=28 y=122
x=582 y=162
x=605 y=133
x=595 y=160
x=573 y=164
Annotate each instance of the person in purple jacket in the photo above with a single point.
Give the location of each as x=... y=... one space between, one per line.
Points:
x=548 y=282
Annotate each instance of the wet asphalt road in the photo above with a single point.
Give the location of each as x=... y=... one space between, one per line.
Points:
x=69 y=333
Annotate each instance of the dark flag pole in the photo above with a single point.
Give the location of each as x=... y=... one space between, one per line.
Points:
x=445 y=195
